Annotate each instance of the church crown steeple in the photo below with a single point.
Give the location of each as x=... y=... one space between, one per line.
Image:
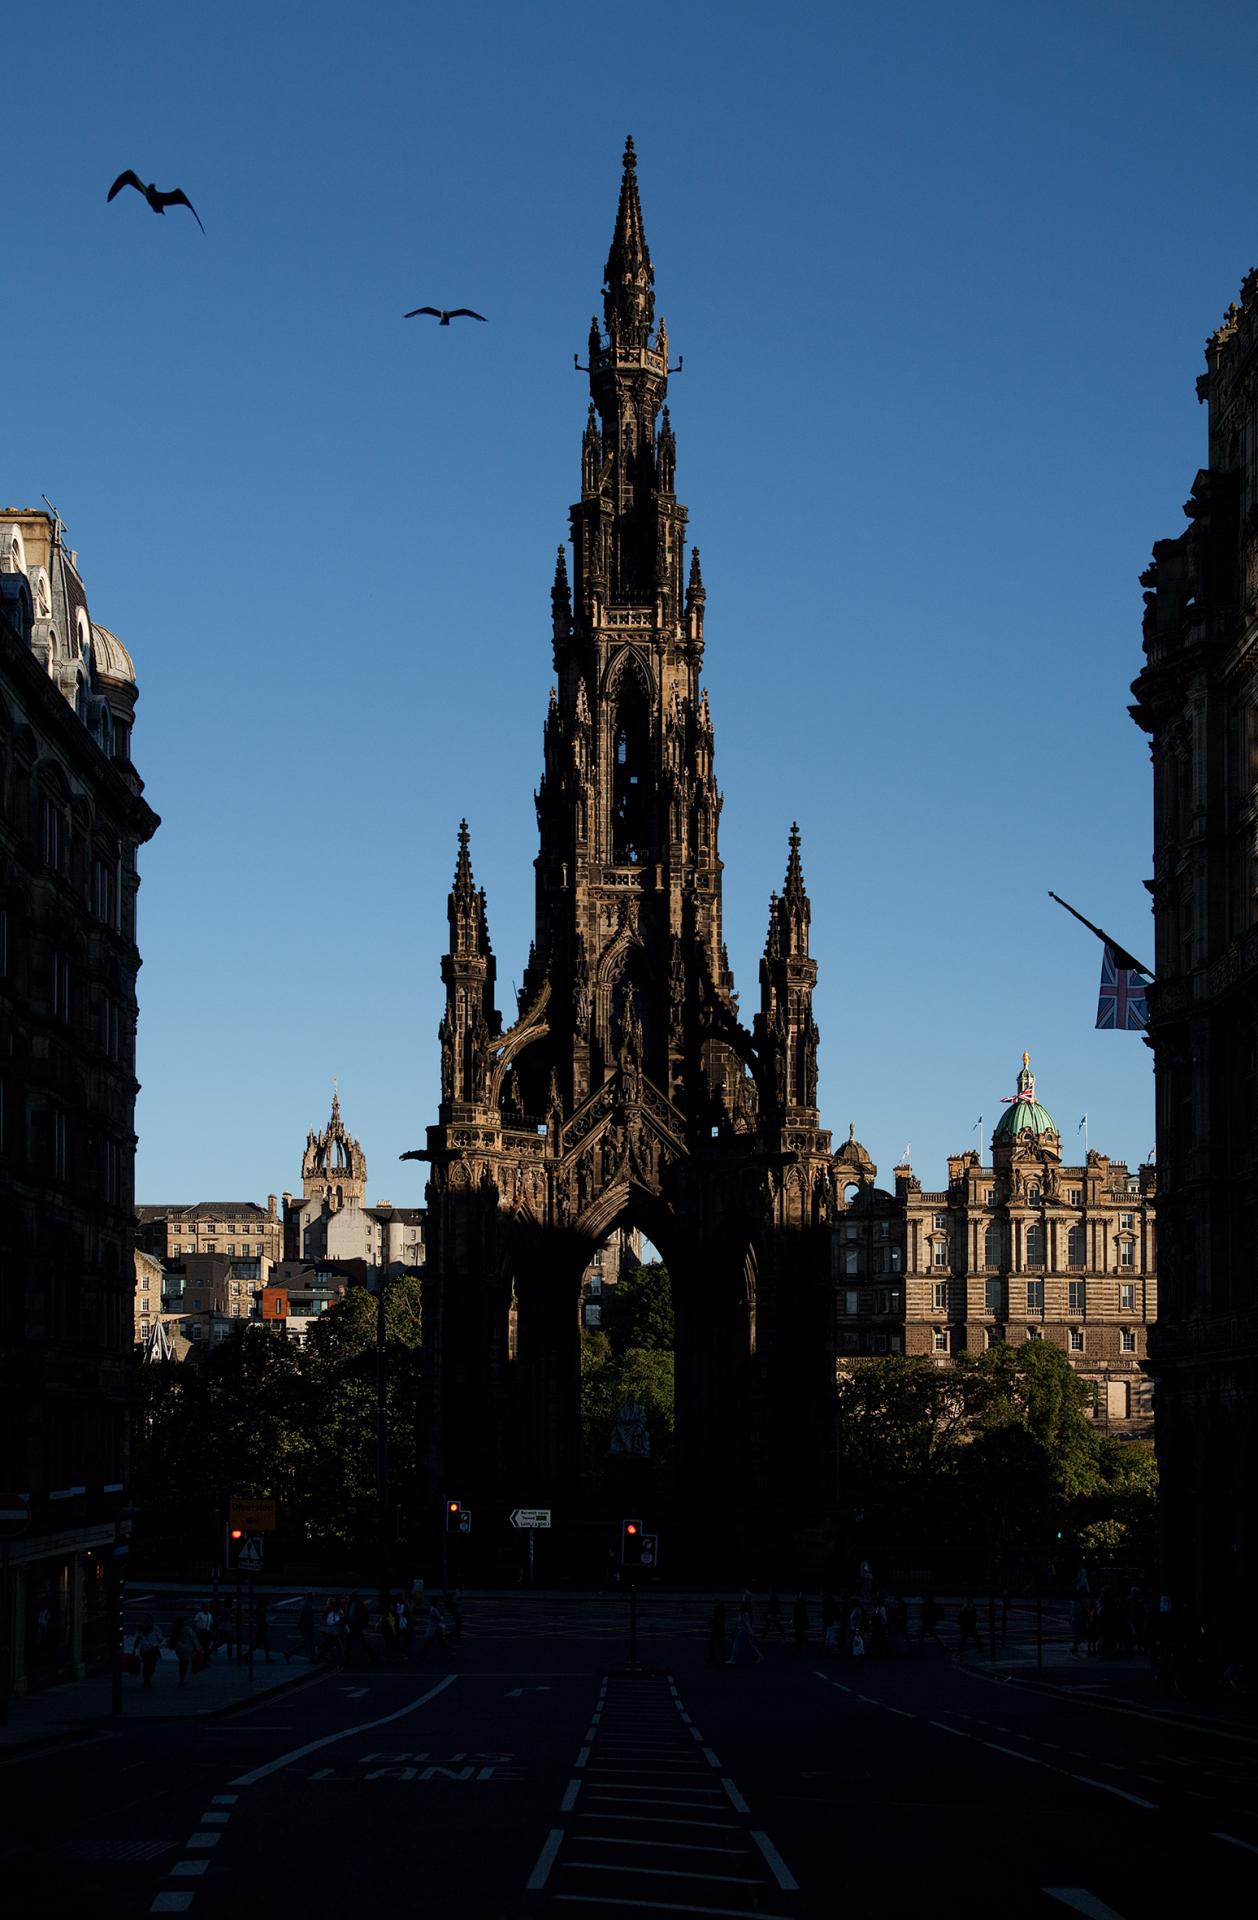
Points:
x=629 y=289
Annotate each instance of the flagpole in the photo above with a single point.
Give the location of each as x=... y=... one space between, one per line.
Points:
x=1121 y=956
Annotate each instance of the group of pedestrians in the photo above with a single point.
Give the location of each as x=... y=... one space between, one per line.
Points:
x=181 y=1638
x=1111 y=1625
x=406 y=1624
x=850 y=1626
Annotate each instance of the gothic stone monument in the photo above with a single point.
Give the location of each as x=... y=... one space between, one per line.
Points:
x=626 y=1090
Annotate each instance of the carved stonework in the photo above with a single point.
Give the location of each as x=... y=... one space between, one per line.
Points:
x=628 y=1092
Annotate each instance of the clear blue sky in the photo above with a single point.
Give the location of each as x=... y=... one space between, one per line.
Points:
x=941 y=277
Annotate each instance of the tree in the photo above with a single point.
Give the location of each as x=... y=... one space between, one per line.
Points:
x=638 y=1310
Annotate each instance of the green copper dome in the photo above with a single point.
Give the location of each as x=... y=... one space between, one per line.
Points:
x=1024 y=1114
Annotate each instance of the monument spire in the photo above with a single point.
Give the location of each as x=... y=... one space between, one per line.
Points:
x=629 y=289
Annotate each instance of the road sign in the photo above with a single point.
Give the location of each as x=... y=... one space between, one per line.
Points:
x=15 y=1515
x=531 y=1517
x=249 y=1559
x=255 y=1516
x=649 y=1552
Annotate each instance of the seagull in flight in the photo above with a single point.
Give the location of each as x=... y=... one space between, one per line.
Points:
x=444 y=315
x=158 y=200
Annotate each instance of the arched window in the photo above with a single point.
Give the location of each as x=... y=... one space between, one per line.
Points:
x=994 y=1245
x=1035 y=1245
x=1075 y=1244
x=631 y=774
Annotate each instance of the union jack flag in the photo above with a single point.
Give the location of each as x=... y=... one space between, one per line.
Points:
x=1121 y=1003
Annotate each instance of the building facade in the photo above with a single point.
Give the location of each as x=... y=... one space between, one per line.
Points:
x=240 y=1229
x=1022 y=1248
x=72 y=818
x=1197 y=699
x=332 y=1221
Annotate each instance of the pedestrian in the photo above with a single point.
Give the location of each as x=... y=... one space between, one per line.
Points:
x=799 y=1623
x=967 y=1620
x=182 y=1642
x=931 y=1619
x=856 y=1631
x=773 y=1616
x=900 y=1623
x=148 y=1645
x=744 y=1652
x=435 y=1631
x=356 y=1630
x=1080 y=1610
x=453 y=1603
x=332 y=1633
x=716 y=1635
x=203 y=1627
x=831 y=1634
x=260 y=1640
x=221 y=1634
x=305 y=1632
x=404 y=1620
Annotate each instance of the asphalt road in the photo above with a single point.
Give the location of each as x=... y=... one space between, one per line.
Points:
x=536 y=1775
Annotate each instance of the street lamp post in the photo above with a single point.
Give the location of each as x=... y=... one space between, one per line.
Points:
x=382 y=1446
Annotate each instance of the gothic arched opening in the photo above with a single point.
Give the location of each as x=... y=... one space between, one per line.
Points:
x=631 y=773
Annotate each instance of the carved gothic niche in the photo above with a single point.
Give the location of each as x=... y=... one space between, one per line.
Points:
x=631 y=702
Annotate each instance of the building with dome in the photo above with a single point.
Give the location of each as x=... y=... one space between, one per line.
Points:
x=1022 y=1248
x=72 y=818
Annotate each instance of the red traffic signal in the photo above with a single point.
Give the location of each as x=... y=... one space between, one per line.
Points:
x=631 y=1543
x=458 y=1517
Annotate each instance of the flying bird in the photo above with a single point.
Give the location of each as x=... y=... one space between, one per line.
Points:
x=444 y=315
x=157 y=200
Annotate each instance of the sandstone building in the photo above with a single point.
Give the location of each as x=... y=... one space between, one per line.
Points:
x=1023 y=1248
x=1197 y=698
x=72 y=818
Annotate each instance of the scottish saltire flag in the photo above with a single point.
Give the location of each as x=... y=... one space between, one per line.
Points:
x=1121 y=1003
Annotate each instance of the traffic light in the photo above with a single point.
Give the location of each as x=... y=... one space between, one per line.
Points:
x=631 y=1543
x=458 y=1517
x=235 y=1541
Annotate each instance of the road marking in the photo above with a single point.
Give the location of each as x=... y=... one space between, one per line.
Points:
x=735 y=1797
x=224 y=1799
x=1105 y=1787
x=902 y=1713
x=695 y=1734
x=777 y=1866
x=204 y=1840
x=215 y=1819
x=660 y=1820
x=569 y=1800
x=188 y=1869
x=710 y=1757
x=674 y=1873
x=545 y=1861
x=661 y=1906
x=1247 y=1844
x=582 y=1757
x=673 y=1846
x=355 y=1693
x=591 y=1733
x=953 y=1730
x=171 y=1903
x=347 y=1733
x=1083 y=1902
x=1015 y=1754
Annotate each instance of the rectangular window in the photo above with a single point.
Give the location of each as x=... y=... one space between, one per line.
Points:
x=940 y=1253
x=995 y=1336
x=52 y=834
x=595 y=1283
x=1077 y=1295
x=850 y=1232
x=1035 y=1296
x=989 y=1198
x=884 y=1229
x=993 y=1296
x=941 y=1296
x=1074 y=1196
x=941 y=1223
x=941 y=1339
x=1033 y=1196
x=1126 y=1223
x=593 y=1313
x=1128 y=1340
x=851 y=1301
x=1076 y=1340
x=597 y=1259
x=896 y=1256
x=1126 y=1253
x=1127 y=1296
x=58 y=1143
x=851 y=1260
x=60 y=987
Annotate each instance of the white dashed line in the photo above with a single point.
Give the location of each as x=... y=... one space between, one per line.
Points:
x=710 y=1757
x=569 y=1800
x=545 y=1861
x=1083 y=1902
x=1105 y=1787
x=215 y=1819
x=735 y=1797
x=171 y=1903
x=582 y=1757
x=224 y=1799
x=204 y=1840
x=777 y=1866
x=188 y=1869
x=1015 y=1754
x=956 y=1731
x=1231 y=1837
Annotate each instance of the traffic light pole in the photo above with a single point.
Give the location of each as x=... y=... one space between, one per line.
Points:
x=632 y=1663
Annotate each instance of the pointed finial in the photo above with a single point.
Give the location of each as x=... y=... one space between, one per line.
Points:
x=628 y=299
x=463 y=863
x=851 y=1132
